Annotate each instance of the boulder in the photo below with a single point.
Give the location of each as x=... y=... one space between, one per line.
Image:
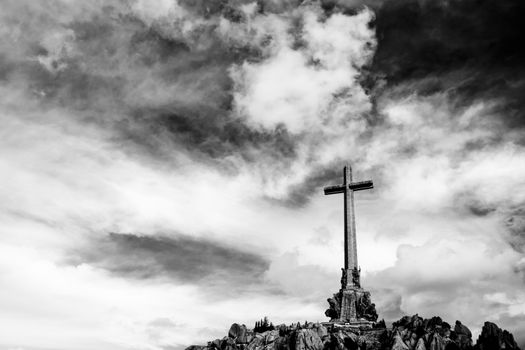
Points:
x=239 y=333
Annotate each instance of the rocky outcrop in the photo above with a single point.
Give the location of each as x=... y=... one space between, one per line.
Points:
x=311 y=336
x=239 y=333
x=409 y=333
x=416 y=333
x=493 y=338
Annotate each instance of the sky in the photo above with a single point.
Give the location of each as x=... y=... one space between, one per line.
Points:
x=162 y=165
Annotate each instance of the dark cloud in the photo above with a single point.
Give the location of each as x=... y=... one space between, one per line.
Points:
x=299 y=195
x=211 y=140
x=156 y=87
x=179 y=258
x=470 y=49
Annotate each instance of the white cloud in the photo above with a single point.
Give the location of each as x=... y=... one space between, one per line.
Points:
x=295 y=87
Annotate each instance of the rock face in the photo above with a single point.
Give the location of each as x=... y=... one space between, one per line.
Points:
x=416 y=333
x=409 y=333
x=493 y=337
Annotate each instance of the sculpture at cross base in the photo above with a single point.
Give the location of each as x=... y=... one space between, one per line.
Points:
x=352 y=304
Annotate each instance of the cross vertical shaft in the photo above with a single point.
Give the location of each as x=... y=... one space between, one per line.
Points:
x=350 y=232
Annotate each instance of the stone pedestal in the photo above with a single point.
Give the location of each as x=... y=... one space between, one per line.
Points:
x=352 y=305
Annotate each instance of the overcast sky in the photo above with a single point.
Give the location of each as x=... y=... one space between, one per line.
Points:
x=162 y=164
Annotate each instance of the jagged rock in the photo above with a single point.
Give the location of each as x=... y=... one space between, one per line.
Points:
x=494 y=338
x=308 y=339
x=270 y=336
x=343 y=340
x=322 y=332
x=412 y=340
x=398 y=343
x=421 y=344
x=282 y=343
x=461 y=329
x=433 y=323
x=376 y=339
x=257 y=343
x=437 y=342
x=427 y=334
x=463 y=336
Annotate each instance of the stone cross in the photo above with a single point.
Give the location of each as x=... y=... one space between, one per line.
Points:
x=348 y=188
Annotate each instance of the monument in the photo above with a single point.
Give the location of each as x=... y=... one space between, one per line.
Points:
x=352 y=305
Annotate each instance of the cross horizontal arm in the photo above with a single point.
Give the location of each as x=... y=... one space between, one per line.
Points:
x=334 y=189
x=361 y=185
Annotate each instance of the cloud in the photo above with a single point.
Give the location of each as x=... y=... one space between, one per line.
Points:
x=192 y=77
x=431 y=46
x=299 y=280
x=325 y=65
x=184 y=259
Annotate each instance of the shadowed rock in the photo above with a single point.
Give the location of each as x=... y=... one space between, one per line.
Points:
x=494 y=338
x=239 y=333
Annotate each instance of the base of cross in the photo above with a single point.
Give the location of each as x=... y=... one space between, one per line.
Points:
x=352 y=305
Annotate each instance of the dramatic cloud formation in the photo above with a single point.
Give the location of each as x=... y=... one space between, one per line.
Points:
x=181 y=258
x=162 y=164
